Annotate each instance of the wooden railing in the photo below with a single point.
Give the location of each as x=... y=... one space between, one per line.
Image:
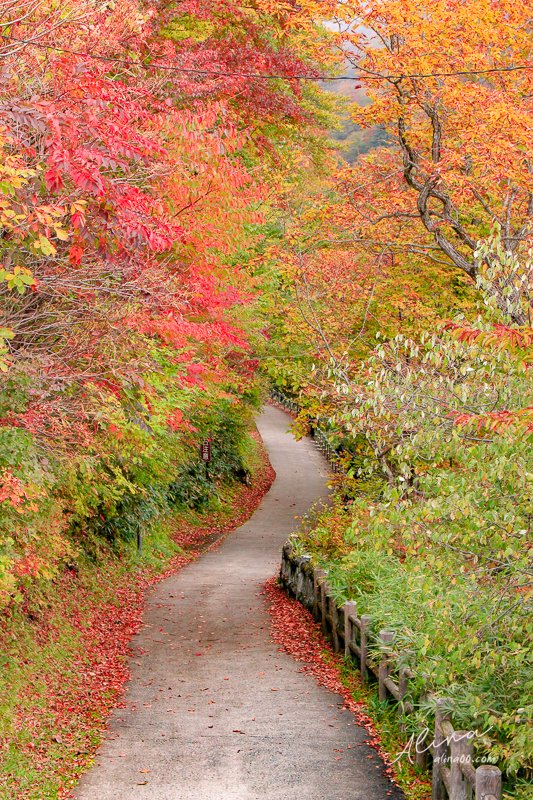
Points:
x=453 y=774
x=284 y=401
x=319 y=436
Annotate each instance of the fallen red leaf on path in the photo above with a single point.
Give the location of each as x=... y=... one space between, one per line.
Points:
x=296 y=632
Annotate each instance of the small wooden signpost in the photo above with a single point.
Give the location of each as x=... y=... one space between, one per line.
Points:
x=205 y=453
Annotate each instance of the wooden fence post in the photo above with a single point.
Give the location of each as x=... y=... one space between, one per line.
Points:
x=293 y=576
x=319 y=577
x=386 y=638
x=488 y=783
x=300 y=578
x=310 y=590
x=350 y=608
x=334 y=624
x=460 y=753
x=315 y=593
x=324 y=607
x=365 y=626
x=402 y=691
x=440 y=751
x=421 y=755
x=305 y=559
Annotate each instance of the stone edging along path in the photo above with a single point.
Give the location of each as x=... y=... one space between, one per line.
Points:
x=214 y=711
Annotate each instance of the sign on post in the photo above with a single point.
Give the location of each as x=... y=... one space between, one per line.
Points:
x=205 y=455
x=205 y=451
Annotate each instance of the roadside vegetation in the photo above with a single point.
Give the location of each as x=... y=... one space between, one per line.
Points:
x=65 y=646
x=178 y=230
x=138 y=165
x=406 y=336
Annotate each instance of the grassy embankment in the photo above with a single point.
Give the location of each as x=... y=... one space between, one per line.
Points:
x=64 y=649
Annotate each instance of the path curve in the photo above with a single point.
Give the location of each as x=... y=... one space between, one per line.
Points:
x=213 y=711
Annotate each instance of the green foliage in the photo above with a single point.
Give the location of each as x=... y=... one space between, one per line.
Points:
x=431 y=527
x=186 y=26
x=56 y=506
x=59 y=637
x=468 y=637
x=440 y=553
x=505 y=280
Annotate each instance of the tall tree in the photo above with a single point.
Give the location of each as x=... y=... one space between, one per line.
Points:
x=451 y=83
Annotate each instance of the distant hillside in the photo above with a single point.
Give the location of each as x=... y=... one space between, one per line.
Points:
x=354 y=140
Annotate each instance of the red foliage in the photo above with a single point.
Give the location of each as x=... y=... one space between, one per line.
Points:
x=135 y=189
x=499 y=336
x=497 y=421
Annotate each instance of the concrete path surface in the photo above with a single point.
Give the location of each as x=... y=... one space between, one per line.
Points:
x=213 y=710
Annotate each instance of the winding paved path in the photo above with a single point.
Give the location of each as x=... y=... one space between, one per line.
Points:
x=213 y=710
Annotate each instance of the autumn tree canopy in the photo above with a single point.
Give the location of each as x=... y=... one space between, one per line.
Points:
x=451 y=86
x=179 y=232
x=138 y=153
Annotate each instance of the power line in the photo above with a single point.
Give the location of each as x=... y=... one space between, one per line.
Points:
x=263 y=76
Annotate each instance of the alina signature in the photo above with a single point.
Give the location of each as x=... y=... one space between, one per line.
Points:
x=420 y=743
